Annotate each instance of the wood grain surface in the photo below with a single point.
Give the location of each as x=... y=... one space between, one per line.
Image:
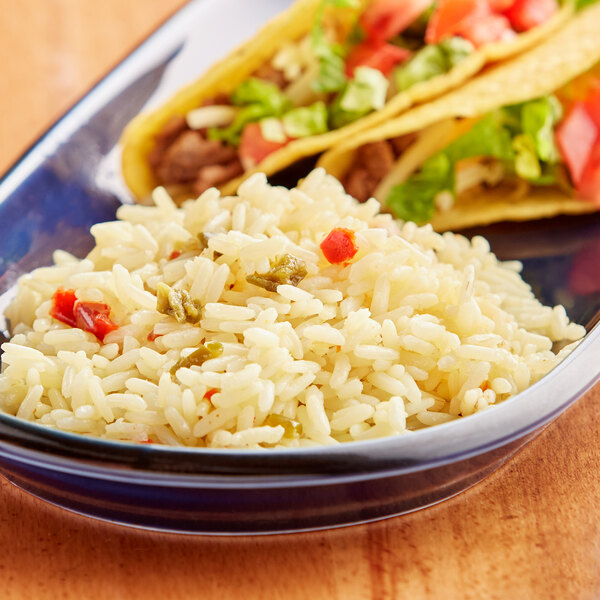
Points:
x=531 y=530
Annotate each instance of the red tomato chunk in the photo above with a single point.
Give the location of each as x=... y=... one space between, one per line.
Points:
x=377 y=55
x=455 y=17
x=384 y=19
x=89 y=316
x=339 y=245
x=576 y=136
x=527 y=14
x=254 y=148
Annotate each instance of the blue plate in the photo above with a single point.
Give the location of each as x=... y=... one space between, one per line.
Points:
x=55 y=192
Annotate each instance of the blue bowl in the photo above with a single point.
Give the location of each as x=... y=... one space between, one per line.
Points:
x=54 y=194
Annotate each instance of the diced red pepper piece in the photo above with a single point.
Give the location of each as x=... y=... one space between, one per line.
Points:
x=384 y=19
x=210 y=393
x=488 y=29
x=527 y=14
x=89 y=316
x=452 y=17
x=339 y=245
x=62 y=309
x=377 y=55
x=175 y=254
x=576 y=136
x=152 y=336
x=94 y=317
x=254 y=148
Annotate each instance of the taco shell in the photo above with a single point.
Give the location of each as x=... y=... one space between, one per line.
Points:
x=549 y=66
x=139 y=137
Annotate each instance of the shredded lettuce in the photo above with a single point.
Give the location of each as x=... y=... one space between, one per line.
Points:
x=363 y=94
x=432 y=60
x=306 y=121
x=456 y=49
x=527 y=163
x=538 y=120
x=521 y=136
x=271 y=128
x=259 y=91
x=580 y=4
x=332 y=68
x=414 y=200
x=259 y=99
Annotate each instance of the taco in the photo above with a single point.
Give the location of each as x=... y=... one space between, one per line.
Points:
x=520 y=142
x=319 y=73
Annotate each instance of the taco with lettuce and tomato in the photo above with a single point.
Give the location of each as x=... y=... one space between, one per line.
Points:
x=320 y=73
x=520 y=142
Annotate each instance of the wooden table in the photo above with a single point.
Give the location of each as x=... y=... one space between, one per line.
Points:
x=531 y=530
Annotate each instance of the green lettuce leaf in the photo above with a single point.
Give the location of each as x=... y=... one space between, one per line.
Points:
x=332 y=67
x=456 y=49
x=306 y=121
x=579 y=4
x=363 y=94
x=265 y=93
x=432 y=60
x=259 y=99
x=488 y=137
x=538 y=120
x=425 y=64
x=521 y=136
x=414 y=200
x=527 y=164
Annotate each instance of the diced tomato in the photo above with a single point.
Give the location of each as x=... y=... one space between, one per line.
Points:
x=94 y=317
x=592 y=103
x=576 y=136
x=589 y=186
x=451 y=17
x=488 y=29
x=527 y=14
x=384 y=19
x=253 y=146
x=377 y=55
x=499 y=6
x=63 y=302
x=339 y=245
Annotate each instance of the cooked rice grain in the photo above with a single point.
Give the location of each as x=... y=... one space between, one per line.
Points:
x=419 y=329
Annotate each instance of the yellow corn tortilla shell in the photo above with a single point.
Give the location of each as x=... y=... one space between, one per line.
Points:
x=570 y=52
x=540 y=203
x=138 y=138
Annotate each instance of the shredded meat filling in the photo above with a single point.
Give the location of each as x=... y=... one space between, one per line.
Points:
x=188 y=154
x=268 y=72
x=185 y=156
x=214 y=175
x=372 y=163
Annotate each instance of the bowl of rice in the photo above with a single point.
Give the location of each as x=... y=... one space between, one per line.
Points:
x=272 y=361
x=276 y=361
